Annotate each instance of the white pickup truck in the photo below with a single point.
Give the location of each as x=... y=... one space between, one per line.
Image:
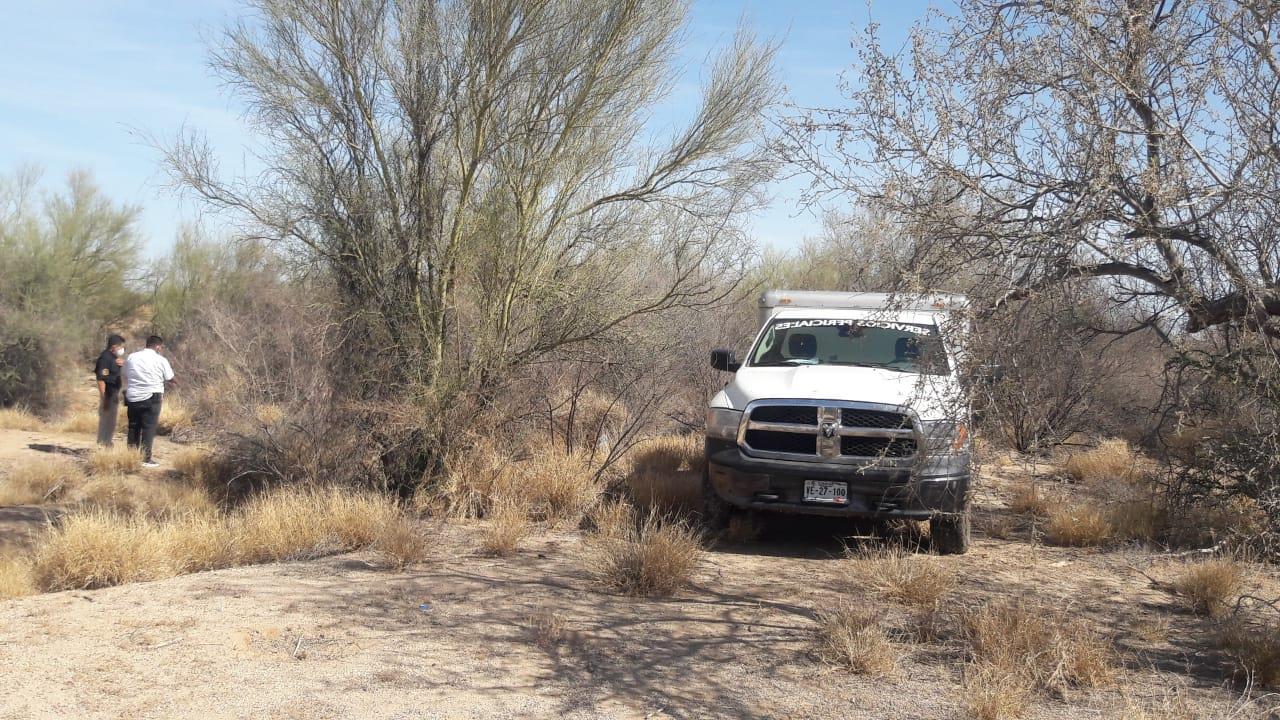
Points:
x=848 y=404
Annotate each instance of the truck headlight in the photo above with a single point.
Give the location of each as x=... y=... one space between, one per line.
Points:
x=722 y=423
x=943 y=437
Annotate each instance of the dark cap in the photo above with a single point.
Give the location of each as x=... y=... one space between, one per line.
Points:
x=114 y=340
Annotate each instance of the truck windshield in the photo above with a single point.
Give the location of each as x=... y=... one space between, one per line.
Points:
x=897 y=346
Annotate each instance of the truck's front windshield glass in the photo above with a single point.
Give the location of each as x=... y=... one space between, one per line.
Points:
x=904 y=347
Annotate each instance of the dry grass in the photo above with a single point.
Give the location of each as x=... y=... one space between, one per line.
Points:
x=82 y=422
x=15 y=577
x=1078 y=526
x=17 y=418
x=37 y=481
x=998 y=527
x=1028 y=499
x=508 y=525
x=176 y=414
x=154 y=497
x=653 y=556
x=547 y=629
x=117 y=459
x=97 y=548
x=1049 y=649
x=1209 y=587
x=1109 y=462
x=992 y=692
x=556 y=487
x=853 y=638
x=669 y=454
x=1145 y=520
x=674 y=492
x=85 y=422
x=1255 y=651
x=401 y=544
x=914 y=579
x=195 y=463
x=303 y=523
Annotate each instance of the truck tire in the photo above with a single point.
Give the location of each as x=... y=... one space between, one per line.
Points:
x=715 y=511
x=950 y=533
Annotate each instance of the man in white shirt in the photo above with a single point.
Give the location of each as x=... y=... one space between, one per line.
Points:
x=145 y=373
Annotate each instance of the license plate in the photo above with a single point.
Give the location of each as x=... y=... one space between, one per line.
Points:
x=826 y=491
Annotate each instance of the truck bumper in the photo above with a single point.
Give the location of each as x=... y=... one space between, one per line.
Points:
x=778 y=486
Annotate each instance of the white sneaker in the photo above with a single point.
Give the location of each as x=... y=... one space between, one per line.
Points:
x=150 y=464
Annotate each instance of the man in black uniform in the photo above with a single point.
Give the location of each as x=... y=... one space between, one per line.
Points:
x=107 y=373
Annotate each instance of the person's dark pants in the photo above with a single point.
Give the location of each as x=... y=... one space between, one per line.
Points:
x=107 y=410
x=144 y=415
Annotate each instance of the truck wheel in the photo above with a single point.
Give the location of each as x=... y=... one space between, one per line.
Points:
x=950 y=533
x=715 y=511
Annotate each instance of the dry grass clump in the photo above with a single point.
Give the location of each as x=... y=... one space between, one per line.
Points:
x=1027 y=499
x=555 y=486
x=195 y=463
x=36 y=481
x=913 y=579
x=1051 y=651
x=82 y=422
x=998 y=527
x=992 y=692
x=1254 y=649
x=854 y=638
x=675 y=492
x=400 y=544
x=15 y=577
x=669 y=454
x=304 y=523
x=18 y=418
x=1112 y=460
x=175 y=414
x=98 y=548
x=653 y=556
x=1145 y=520
x=666 y=474
x=547 y=629
x=136 y=495
x=1208 y=587
x=117 y=459
x=1078 y=526
x=508 y=525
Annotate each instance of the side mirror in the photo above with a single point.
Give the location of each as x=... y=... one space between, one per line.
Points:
x=724 y=360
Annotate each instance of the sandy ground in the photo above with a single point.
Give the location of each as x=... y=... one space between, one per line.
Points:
x=452 y=637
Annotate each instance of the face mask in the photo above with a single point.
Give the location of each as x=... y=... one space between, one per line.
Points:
x=119 y=352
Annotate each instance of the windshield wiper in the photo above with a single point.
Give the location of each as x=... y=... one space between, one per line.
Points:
x=787 y=363
x=885 y=366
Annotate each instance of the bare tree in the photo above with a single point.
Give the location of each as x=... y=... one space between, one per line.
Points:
x=476 y=177
x=1042 y=141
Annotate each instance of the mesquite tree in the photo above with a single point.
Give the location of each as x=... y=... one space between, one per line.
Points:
x=1042 y=141
x=1130 y=145
x=478 y=178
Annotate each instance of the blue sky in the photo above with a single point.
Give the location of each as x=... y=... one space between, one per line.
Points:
x=80 y=79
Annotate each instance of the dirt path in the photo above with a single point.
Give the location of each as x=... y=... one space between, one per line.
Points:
x=451 y=639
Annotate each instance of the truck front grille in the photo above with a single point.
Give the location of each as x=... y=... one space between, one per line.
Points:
x=877 y=447
x=829 y=433
x=783 y=442
x=786 y=414
x=850 y=417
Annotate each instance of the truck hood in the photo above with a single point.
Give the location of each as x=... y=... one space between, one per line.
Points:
x=927 y=395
